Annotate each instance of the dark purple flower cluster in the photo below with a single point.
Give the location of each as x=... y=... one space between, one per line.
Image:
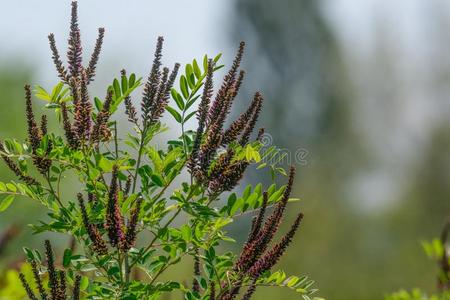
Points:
x=120 y=236
x=156 y=90
x=35 y=135
x=78 y=78
x=254 y=260
x=57 y=280
x=223 y=173
x=15 y=168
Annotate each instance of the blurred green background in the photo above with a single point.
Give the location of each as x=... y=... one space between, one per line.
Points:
x=361 y=87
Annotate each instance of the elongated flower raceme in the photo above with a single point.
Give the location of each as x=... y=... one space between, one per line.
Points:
x=250 y=126
x=38 y=281
x=57 y=285
x=74 y=52
x=98 y=244
x=195 y=283
x=34 y=134
x=76 y=288
x=90 y=70
x=68 y=130
x=61 y=70
x=228 y=81
x=100 y=131
x=130 y=236
x=271 y=257
x=52 y=273
x=237 y=127
x=157 y=88
x=202 y=114
x=62 y=285
x=15 y=168
x=256 y=227
x=253 y=250
x=27 y=287
x=250 y=291
x=130 y=110
x=229 y=177
x=151 y=86
x=114 y=221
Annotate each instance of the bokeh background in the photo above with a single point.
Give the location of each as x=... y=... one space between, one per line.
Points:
x=363 y=86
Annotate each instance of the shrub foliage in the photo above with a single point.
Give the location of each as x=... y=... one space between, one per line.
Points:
x=144 y=208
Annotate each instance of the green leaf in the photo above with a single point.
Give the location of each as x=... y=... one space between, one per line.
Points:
x=189 y=116
x=6 y=202
x=158 y=180
x=67 y=257
x=124 y=83
x=116 y=86
x=174 y=113
x=105 y=164
x=197 y=71
x=186 y=232
x=132 y=79
x=98 y=103
x=184 y=87
x=178 y=99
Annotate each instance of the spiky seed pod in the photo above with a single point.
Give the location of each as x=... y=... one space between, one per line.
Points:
x=90 y=70
x=38 y=280
x=239 y=124
x=130 y=236
x=27 y=287
x=98 y=244
x=195 y=283
x=34 y=134
x=15 y=169
x=151 y=86
x=62 y=285
x=252 y=122
x=68 y=131
x=100 y=131
x=76 y=288
x=266 y=262
x=74 y=53
x=62 y=72
x=53 y=276
x=202 y=114
x=252 y=251
x=228 y=81
x=114 y=220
